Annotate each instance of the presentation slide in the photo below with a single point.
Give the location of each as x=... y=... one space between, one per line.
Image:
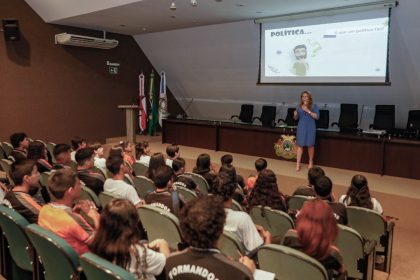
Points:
x=339 y=52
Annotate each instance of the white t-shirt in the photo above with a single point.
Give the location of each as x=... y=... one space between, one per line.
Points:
x=168 y=162
x=376 y=205
x=241 y=224
x=73 y=156
x=101 y=164
x=155 y=263
x=144 y=159
x=121 y=189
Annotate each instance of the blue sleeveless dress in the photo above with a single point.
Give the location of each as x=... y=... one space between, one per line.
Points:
x=306 y=129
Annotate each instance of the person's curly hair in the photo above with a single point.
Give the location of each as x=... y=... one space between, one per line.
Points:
x=224 y=186
x=202 y=221
x=266 y=192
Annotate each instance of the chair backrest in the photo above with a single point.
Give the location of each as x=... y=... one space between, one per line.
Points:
x=88 y=194
x=143 y=185
x=384 y=117
x=13 y=226
x=96 y=268
x=50 y=149
x=413 y=122
x=367 y=222
x=268 y=115
x=184 y=192
x=351 y=246
x=139 y=169
x=202 y=184
x=236 y=206
x=159 y=223
x=60 y=261
x=290 y=264
x=5 y=165
x=296 y=202
x=258 y=216
x=290 y=120
x=349 y=116
x=275 y=221
x=7 y=148
x=230 y=245
x=247 y=111
x=104 y=198
x=323 y=120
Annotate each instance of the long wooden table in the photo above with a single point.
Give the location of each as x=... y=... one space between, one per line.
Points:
x=395 y=157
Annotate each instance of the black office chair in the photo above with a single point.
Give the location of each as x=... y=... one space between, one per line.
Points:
x=384 y=118
x=348 y=120
x=247 y=111
x=289 y=121
x=323 y=120
x=268 y=116
x=413 y=122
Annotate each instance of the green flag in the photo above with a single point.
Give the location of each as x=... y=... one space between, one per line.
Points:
x=153 y=99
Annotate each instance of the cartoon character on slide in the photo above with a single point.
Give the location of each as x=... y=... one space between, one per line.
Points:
x=300 y=67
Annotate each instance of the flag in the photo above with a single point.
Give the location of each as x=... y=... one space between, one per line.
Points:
x=163 y=100
x=153 y=117
x=142 y=105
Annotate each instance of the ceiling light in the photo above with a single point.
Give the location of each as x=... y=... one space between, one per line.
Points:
x=173 y=6
x=194 y=3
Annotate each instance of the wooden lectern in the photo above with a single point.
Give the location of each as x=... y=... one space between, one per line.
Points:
x=130 y=111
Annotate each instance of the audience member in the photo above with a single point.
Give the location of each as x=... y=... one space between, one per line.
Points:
x=358 y=195
x=187 y=181
x=100 y=161
x=172 y=151
x=164 y=196
x=62 y=157
x=260 y=165
x=38 y=152
x=313 y=174
x=316 y=231
x=63 y=217
x=201 y=223
x=20 y=145
x=118 y=239
x=266 y=192
x=143 y=153
x=238 y=222
x=226 y=159
x=128 y=149
x=156 y=160
x=85 y=162
x=323 y=189
x=178 y=166
x=26 y=177
x=116 y=186
x=77 y=143
x=204 y=168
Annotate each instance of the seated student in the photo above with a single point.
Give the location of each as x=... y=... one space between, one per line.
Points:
x=178 y=166
x=266 y=192
x=100 y=161
x=172 y=151
x=186 y=180
x=38 y=152
x=316 y=231
x=143 y=153
x=116 y=186
x=260 y=165
x=20 y=145
x=63 y=217
x=128 y=148
x=156 y=160
x=118 y=240
x=313 y=174
x=358 y=195
x=93 y=179
x=77 y=143
x=323 y=189
x=227 y=160
x=238 y=222
x=62 y=157
x=201 y=222
x=238 y=195
x=26 y=177
x=164 y=197
x=204 y=168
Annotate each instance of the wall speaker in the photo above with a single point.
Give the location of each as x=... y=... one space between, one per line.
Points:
x=11 y=29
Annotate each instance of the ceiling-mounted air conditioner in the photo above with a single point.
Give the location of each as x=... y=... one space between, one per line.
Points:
x=85 y=41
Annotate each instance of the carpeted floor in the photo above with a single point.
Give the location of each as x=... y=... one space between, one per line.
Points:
x=399 y=197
